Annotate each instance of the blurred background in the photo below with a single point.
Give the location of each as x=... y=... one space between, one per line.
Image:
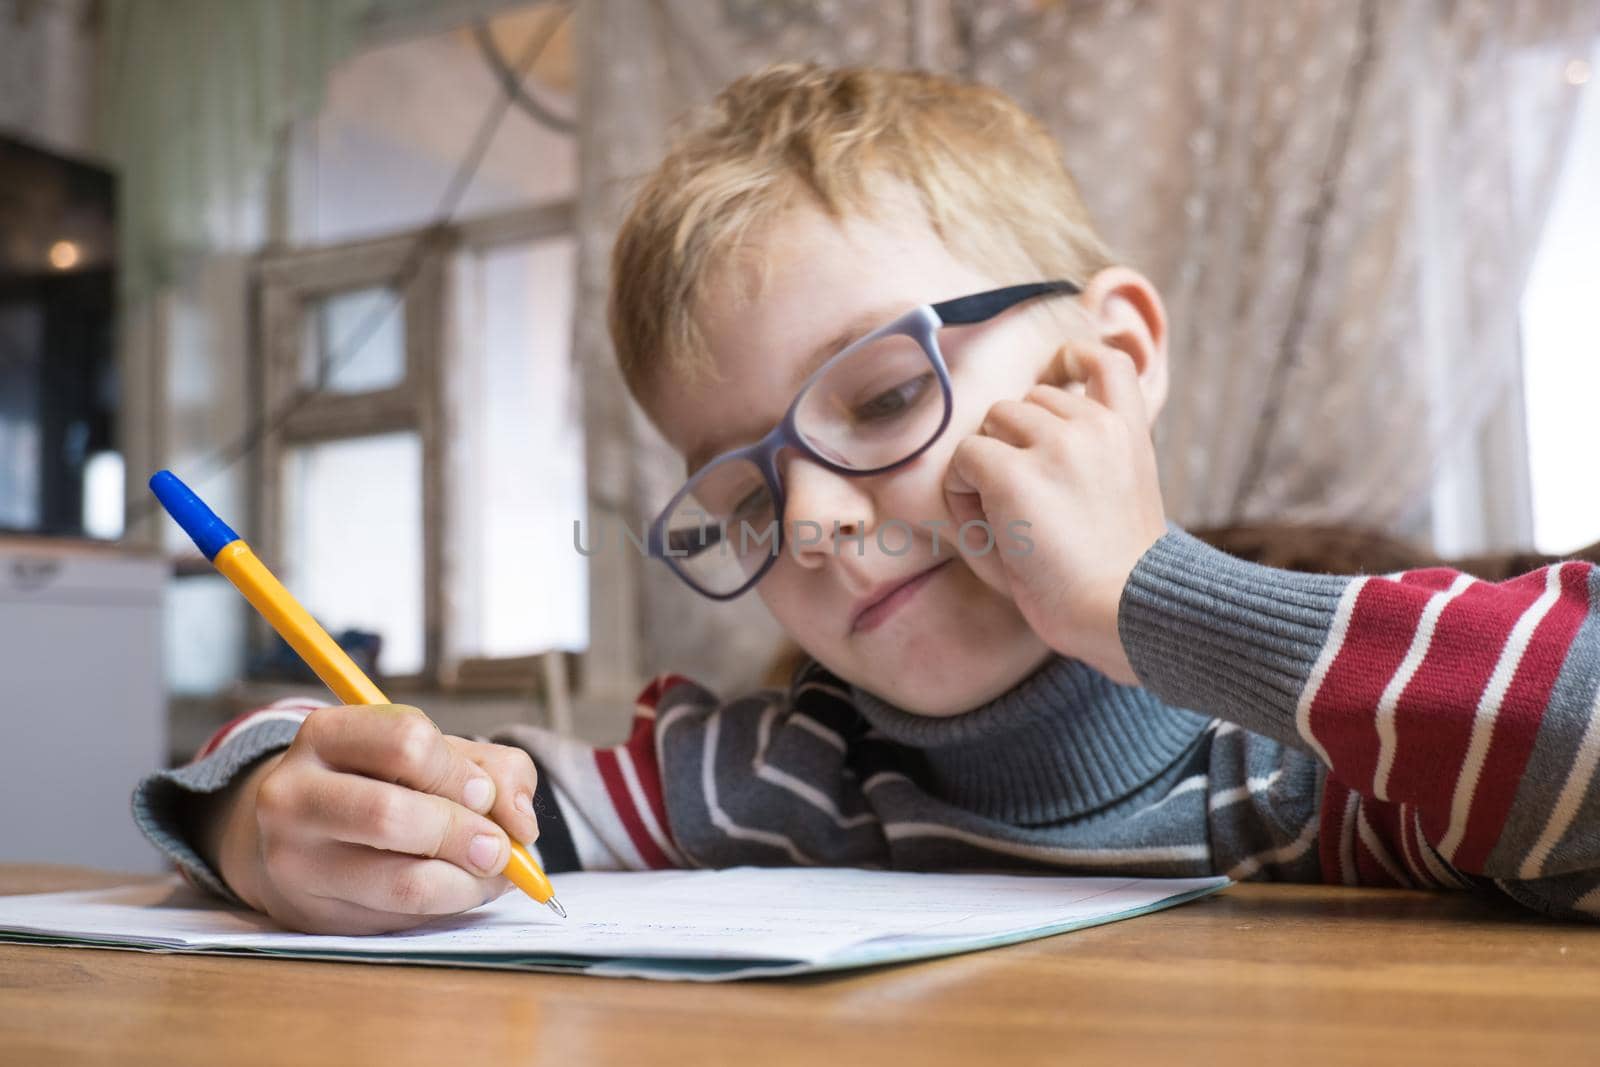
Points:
x=341 y=265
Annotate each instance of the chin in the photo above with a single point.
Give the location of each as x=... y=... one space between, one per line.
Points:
x=940 y=674
x=965 y=683
x=959 y=646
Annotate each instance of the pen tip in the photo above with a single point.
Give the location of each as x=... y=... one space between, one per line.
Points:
x=555 y=905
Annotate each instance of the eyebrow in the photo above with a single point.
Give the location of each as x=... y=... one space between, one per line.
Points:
x=856 y=328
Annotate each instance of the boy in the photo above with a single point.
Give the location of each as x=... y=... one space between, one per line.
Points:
x=1082 y=688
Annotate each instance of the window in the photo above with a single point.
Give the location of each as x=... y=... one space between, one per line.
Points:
x=518 y=587
x=359 y=319
x=422 y=481
x=353 y=338
x=433 y=408
x=353 y=538
x=1561 y=344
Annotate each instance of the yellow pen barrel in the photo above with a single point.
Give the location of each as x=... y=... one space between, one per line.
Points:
x=337 y=670
x=295 y=625
x=522 y=872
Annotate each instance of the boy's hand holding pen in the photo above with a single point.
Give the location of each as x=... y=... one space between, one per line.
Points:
x=372 y=820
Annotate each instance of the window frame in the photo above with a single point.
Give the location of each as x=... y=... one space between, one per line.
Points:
x=288 y=283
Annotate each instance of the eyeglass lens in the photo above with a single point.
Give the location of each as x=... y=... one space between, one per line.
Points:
x=872 y=408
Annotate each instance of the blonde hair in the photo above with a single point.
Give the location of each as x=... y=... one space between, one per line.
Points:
x=989 y=178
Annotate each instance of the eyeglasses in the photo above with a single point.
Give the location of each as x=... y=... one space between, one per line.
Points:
x=876 y=405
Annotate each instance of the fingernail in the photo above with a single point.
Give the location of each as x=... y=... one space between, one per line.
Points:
x=484 y=852
x=478 y=793
x=525 y=804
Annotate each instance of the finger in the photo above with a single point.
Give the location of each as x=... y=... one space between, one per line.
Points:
x=1065 y=402
x=1019 y=423
x=957 y=486
x=967 y=508
x=976 y=464
x=964 y=508
x=1111 y=379
x=350 y=920
x=317 y=915
x=1063 y=369
x=515 y=779
x=364 y=811
x=398 y=744
x=397 y=885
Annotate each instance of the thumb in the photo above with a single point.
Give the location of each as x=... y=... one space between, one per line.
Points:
x=955 y=483
x=974 y=463
x=964 y=507
x=971 y=469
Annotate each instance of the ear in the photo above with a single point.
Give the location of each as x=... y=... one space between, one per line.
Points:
x=1125 y=312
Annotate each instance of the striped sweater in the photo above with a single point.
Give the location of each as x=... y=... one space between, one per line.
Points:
x=1422 y=729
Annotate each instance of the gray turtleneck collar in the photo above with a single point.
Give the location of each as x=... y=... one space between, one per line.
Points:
x=1064 y=741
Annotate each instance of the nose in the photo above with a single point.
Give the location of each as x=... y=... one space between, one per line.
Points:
x=823 y=512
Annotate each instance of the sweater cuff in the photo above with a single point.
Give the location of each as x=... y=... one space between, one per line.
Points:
x=1232 y=639
x=159 y=799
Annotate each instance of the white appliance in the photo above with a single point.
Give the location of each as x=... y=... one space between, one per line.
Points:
x=82 y=706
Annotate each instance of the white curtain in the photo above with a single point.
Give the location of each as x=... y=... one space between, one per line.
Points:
x=194 y=95
x=1338 y=198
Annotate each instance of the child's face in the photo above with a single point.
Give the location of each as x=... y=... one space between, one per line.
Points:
x=950 y=641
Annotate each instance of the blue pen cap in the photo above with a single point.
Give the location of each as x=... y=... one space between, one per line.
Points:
x=209 y=533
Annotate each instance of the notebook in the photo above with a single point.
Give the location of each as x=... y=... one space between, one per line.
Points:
x=686 y=925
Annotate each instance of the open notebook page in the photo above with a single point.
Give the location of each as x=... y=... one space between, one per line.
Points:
x=683 y=924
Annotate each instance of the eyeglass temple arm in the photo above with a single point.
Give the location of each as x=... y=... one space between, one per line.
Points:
x=980 y=307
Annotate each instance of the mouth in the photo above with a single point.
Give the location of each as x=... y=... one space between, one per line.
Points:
x=874 y=609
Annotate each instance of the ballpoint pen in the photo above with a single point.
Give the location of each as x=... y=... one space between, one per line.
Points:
x=233 y=558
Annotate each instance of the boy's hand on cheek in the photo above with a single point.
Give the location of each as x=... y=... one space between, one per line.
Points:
x=372 y=820
x=1078 y=467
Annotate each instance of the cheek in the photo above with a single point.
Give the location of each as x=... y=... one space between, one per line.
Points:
x=798 y=601
x=1002 y=368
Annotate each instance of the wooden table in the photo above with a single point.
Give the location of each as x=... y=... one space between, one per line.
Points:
x=1305 y=973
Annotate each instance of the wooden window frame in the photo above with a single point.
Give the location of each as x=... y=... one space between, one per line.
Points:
x=289 y=282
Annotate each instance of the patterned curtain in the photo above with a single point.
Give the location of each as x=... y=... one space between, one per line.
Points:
x=1339 y=200
x=193 y=96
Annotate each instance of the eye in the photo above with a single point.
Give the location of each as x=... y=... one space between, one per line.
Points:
x=893 y=402
x=753 y=508
x=689 y=542
x=758 y=502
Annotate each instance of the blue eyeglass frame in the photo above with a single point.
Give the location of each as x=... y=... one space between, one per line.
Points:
x=920 y=323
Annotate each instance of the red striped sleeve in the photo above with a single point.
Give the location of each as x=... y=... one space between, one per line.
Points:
x=1433 y=719
x=631 y=776
x=641 y=747
x=1375 y=642
x=1332 y=833
x=605 y=761
x=1379 y=857
x=214 y=742
x=1472 y=696
x=1519 y=717
x=1410 y=854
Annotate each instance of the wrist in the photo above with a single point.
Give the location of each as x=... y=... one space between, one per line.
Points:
x=226 y=835
x=1087 y=631
x=1119 y=666
x=1106 y=653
